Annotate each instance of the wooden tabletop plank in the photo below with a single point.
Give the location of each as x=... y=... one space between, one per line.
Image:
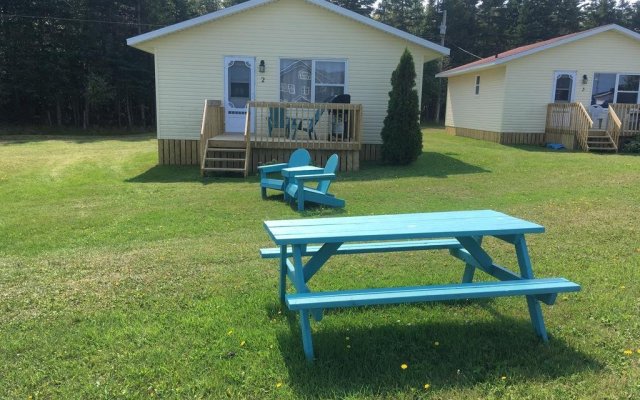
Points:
x=400 y=226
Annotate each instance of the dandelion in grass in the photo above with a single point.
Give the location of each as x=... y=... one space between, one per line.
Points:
x=279 y=385
x=404 y=366
x=638 y=351
x=628 y=352
x=426 y=386
x=230 y=333
x=504 y=378
x=242 y=343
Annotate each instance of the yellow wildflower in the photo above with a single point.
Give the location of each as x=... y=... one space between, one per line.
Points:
x=279 y=384
x=426 y=386
x=242 y=343
x=404 y=366
x=628 y=352
x=230 y=332
x=504 y=378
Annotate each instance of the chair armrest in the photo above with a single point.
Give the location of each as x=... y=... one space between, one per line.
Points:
x=316 y=177
x=272 y=168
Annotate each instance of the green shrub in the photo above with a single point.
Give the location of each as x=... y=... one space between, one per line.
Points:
x=401 y=137
x=632 y=146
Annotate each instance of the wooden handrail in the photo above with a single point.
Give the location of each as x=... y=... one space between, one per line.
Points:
x=569 y=118
x=247 y=140
x=629 y=115
x=212 y=125
x=614 y=127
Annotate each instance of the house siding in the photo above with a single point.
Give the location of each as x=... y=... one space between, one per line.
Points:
x=481 y=112
x=189 y=64
x=529 y=80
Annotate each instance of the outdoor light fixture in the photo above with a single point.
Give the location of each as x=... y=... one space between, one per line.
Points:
x=261 y=67
x=585 y=79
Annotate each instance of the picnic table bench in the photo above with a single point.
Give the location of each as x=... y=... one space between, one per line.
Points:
x=460 y=232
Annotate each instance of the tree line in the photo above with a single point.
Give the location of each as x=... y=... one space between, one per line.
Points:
x=66 y=62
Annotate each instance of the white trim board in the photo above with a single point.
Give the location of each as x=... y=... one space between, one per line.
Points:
x=136 y=40
x=569 y=39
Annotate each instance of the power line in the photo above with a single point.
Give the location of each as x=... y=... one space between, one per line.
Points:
x=76 y=20
x=465 y=51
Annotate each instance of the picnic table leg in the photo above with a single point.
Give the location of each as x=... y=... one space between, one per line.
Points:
x=469 y=270
x=301 y=287
x=300 y=196
x=305 y=328
x=526 y=271
x=283 y=272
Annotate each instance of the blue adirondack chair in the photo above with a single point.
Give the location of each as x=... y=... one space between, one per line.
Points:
x=278 y=120
x=298 y=158
x=297 y=190
x=308 y=124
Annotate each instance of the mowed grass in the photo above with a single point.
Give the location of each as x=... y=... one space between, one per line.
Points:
x=123 y=279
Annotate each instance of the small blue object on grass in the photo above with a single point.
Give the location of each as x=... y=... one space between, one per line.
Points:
x=555 y=146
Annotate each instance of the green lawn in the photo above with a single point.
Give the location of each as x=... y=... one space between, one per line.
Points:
x=123 y=279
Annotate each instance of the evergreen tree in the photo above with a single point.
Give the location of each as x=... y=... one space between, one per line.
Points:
x=401 y=136
x=406 y=15
x=601 y=12
x=363 y=7
x=535 y=21
x=567 y=16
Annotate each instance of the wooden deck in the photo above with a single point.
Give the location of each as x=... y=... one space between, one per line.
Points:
x=571 y=125
x=274 y=129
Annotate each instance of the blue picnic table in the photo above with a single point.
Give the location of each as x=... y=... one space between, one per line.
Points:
x=460 y=232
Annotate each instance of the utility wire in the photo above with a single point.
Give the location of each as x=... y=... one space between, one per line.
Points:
x=466 y=51
x=2 y=15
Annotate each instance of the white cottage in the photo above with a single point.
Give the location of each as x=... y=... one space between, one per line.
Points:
x=265 y=72
x=581 y=90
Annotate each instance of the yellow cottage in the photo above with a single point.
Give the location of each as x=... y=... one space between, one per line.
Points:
x=580 y=90
x=248 y=83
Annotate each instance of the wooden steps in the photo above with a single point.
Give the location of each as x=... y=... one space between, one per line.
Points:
x=599 y=140
x=222 y=156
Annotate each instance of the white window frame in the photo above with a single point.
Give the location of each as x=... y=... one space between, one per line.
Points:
x=574 y=76
x=313 y=72
x=477 y=85
x=615 y=96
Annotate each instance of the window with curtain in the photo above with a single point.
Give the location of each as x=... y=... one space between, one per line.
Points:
x=311 y=80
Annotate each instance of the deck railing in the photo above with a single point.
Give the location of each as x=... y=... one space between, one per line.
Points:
x=569 y=118
x=614 y=127
x=212 y=125
x=310 y=125
x=629 y=115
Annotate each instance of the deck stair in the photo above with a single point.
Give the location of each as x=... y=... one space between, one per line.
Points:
x=599 y=140
x=224 y=156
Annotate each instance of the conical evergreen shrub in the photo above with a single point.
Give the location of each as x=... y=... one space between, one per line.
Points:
x=401 y=136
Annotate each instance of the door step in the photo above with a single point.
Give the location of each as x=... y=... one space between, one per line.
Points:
x=224 y=159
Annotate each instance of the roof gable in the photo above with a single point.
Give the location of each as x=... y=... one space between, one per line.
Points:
x=225 y=12
x=522 y=51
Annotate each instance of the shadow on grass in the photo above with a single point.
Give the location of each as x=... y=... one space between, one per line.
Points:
x=430 y=164
x=467 y=354
x=181 y=174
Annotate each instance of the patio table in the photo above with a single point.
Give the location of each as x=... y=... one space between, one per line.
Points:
x=461 y=232
x=288 y=173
